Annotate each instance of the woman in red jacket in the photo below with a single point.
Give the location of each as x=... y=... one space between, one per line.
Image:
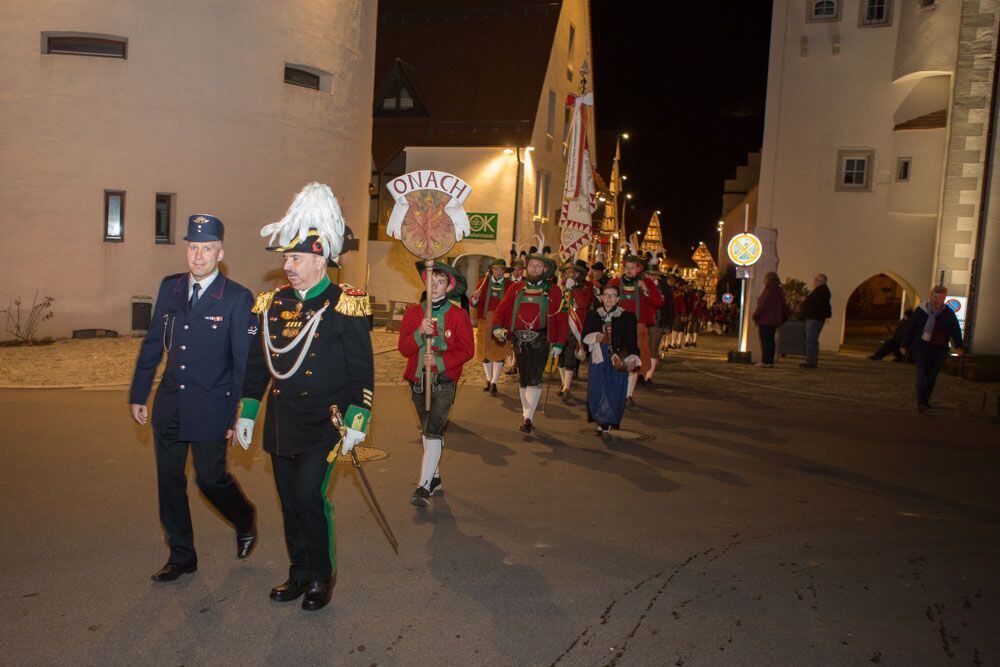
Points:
x=444 y=341
x=771 y=313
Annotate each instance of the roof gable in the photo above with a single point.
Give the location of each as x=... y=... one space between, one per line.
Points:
x=480 y=66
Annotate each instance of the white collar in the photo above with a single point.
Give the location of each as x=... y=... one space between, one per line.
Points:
x=614 y=313
x=204 y=282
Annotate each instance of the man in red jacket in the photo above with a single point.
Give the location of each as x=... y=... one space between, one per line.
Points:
x=444 y=342
x=485 y=299
x=531 y=314
x=639 y=296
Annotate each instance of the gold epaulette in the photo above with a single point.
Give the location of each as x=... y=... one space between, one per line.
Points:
x=353 y=302
x=264 y=300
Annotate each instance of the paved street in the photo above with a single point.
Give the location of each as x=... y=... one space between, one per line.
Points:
x=723 y=530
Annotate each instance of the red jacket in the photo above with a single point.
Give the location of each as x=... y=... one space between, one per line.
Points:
x=680 y=303
x=453 y=347
x=487 y=296
x=579 y=299
x=528 y=314
x=772 y=310
x=632 y=295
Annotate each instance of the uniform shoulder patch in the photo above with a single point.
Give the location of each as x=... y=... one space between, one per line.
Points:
x=353 y=302
x=264 y=300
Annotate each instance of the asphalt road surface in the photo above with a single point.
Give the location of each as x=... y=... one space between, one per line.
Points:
x=720 y=532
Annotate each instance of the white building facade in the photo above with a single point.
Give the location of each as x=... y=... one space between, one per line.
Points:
x=120 y=120
x=875 y=145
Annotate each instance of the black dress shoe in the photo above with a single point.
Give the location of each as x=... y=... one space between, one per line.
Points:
x=629 y=402
x=172 y=571
x=288 y=591
x=525 y=426
x=493 y=389
x=318 y=595
x=487 y=387
x=245 y=542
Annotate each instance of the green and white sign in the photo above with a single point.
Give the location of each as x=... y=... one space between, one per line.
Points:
x=483 y=225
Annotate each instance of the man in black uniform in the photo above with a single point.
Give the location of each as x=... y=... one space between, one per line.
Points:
x=315 y=353
x=202 y=321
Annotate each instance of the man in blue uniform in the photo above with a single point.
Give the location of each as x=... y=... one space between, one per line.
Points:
x=203 y=323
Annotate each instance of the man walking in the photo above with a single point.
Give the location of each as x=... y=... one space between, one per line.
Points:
x=815 y=311
x=931 y=327
x=531 y=313
x=641 y=297
x=485 y=299
x=202 y=322
x=314 y=357
x=444 y=343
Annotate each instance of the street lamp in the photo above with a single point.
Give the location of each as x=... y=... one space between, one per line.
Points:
x=720 y=227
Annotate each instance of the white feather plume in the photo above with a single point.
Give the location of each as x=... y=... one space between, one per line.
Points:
x=314 y=208
x=539 y=242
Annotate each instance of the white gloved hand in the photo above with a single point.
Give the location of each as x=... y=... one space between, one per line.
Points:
x=555 y=351
x=500 y=334
x=570 y=283
x=244 y=432
x=351 y=438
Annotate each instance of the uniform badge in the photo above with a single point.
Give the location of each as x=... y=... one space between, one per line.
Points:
x=447 y=333
x=253 y=330
x=214 y=318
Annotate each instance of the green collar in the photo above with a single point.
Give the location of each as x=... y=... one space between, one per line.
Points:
x=315 y=290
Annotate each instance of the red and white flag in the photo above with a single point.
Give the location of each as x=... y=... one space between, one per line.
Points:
x=579 y=197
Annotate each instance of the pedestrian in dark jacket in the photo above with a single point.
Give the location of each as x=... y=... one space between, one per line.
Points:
x=771 y=313
x=931 y=327
x=891 y=345
x=815 y=311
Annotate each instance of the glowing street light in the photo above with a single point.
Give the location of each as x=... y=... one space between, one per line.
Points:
x=508 y=151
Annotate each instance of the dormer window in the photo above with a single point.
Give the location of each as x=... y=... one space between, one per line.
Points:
x=398 y=95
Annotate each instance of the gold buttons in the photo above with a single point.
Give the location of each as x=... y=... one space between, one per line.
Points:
x=308 y=372
x=305 y=393
x=275 y=392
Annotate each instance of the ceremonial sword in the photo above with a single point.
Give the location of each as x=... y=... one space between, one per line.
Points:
x=338 y=423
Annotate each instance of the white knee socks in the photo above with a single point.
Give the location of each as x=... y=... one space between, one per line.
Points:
x=567 y=378
x=497 y=367
x=488 y=369
x=652 y=367
x=432 y=458
x=529 y=401
x=633 y=379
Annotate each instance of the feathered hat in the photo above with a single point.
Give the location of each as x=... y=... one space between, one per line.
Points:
x=633 y=253
x=313 y=224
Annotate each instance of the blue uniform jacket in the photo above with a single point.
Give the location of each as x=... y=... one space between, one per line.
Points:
x=206 y=357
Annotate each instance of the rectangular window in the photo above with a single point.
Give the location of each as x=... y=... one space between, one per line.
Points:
x=567 y=119
x=542 y=181
x=927 y=4
x=854 y=170
x=550 y=121
x=164 y=218
x=84 y=44
x=114 y=215
x=875 y=12
x=903 y=169
x=300 y=77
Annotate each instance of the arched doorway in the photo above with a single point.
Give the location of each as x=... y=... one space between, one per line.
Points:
x=873 y=310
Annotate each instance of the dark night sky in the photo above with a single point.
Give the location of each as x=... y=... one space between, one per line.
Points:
x=687 y=82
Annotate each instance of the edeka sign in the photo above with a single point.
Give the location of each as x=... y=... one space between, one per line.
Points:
x=483 y=226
